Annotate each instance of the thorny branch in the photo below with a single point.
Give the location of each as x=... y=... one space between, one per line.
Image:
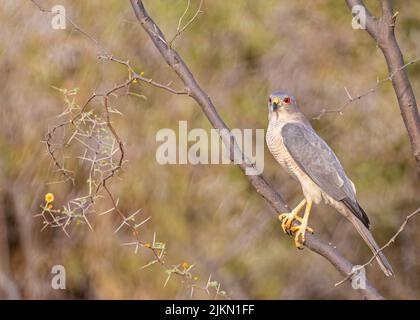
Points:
x=139 y=77
x=73 y=24
x=351 y=99
x=101 y=143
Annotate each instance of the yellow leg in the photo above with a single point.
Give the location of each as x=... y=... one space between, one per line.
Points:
x=287 y=218
x=301 y=229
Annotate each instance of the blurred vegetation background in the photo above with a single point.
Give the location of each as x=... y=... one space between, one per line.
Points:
x=206 y=214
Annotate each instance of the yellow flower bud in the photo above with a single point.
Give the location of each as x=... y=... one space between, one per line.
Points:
x=49 y=197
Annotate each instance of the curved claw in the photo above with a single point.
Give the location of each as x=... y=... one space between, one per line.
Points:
x=287 y=220
x=300 y=232
x=295 y=228
x=299 y=244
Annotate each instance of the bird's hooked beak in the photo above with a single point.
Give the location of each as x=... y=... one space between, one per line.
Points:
x=276 y=104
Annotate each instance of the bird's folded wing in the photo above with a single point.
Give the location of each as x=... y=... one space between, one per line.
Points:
x=317 y=160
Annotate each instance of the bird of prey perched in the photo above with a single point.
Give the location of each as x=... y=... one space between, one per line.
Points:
x=296 y=146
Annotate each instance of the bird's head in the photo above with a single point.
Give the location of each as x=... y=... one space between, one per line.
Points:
x=281 y=104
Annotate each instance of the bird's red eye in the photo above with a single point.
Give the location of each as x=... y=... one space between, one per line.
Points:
x=286 y=100
x=269 y=100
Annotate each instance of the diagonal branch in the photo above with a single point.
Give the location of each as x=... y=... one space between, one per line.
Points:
x=174 y=60
x=382 y=31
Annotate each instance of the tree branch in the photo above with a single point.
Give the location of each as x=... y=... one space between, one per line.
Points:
x=382 y=31
x=173 y=59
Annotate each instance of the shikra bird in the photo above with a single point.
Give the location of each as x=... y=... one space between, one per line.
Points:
x=308 y=158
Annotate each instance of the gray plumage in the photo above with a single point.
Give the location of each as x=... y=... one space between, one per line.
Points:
x=320 y=163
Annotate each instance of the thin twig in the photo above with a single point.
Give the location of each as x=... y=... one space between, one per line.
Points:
x=179 y=29
x=351 y=99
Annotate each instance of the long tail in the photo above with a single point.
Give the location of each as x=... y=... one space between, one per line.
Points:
x=367 y=236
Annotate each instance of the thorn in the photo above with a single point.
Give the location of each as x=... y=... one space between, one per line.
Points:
x=348 y=94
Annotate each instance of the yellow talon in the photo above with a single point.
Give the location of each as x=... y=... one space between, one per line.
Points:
x=301 y=229
x=298 y=230
x=300 y=235
x=288 y=218
x=299 y=243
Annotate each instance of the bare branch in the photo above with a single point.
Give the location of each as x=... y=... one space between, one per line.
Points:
x=382 y=31
x=180 y=29
x=139 y=77
x=351 y=99
x=74 y=25
x=386 y=7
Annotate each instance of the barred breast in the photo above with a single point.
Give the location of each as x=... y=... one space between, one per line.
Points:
x=277 y=148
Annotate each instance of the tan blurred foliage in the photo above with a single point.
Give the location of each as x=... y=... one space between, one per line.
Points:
x=206 y=214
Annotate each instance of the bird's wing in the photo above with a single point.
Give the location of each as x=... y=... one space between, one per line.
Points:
x=318 y=161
